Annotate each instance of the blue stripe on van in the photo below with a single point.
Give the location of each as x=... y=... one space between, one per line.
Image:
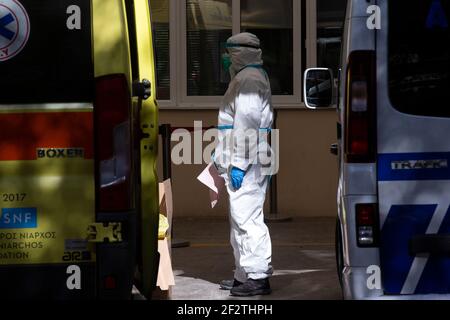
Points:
x=402 y=223
x=394 y=166
x=436 y=275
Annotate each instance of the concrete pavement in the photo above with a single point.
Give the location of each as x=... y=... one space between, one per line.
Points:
x=303 y=260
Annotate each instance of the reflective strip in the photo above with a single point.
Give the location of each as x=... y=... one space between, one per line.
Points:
x=225 y=127
x=23 y=133
x=232 y=127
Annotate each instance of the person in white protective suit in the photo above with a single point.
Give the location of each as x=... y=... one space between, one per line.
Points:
x=246 y=112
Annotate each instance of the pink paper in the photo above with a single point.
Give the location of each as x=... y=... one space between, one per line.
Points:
x=211 y=178
x=165 y=274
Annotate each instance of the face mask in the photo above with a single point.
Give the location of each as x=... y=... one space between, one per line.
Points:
x=226 y=61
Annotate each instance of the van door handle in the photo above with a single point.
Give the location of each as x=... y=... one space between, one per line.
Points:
x=334 y=149
x=142 y=89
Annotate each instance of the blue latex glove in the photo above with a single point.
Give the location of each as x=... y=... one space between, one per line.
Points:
x=237 y=176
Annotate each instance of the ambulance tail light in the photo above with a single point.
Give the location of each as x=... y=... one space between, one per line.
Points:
x=367 y=226
x=110 y=283
x=113 y=147
x=360 y=102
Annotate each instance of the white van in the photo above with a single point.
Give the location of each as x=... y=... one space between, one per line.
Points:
x=393 y=102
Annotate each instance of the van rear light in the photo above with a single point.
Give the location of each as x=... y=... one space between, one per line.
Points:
x=360 y=100
x=110 y=283
x=113 y=147
x=367 y=227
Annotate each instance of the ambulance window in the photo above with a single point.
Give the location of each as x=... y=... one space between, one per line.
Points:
x=419 y=57
x=54 y=64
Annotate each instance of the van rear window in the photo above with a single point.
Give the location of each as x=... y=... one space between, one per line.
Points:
x=45 y=51
x=419 y=57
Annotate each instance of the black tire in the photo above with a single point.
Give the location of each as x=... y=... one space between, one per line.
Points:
x=339 y=252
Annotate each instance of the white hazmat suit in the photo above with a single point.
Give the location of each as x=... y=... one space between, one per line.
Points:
x=246 y=107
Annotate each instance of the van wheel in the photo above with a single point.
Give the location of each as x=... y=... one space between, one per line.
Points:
x=339 y=251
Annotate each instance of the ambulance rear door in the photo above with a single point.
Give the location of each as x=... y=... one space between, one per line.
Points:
x=47 y=183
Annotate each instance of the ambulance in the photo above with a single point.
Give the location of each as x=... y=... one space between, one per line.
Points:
x=78 y=147
x=393 y=105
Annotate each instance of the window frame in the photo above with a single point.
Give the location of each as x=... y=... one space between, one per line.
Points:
x=179 y=100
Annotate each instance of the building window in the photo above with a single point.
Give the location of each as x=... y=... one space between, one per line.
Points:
x=209 y=25
x=160 y=11
x=190 y=37
x=273 y=25
x=330 y=24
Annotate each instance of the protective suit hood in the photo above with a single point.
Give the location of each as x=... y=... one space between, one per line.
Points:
x=244 y=49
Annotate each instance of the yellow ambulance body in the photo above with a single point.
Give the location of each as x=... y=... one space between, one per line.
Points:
x=78 y=146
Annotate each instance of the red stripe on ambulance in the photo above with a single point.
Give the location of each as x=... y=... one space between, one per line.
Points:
x=22 y=134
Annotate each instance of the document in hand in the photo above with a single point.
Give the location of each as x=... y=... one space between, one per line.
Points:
x=210 y=177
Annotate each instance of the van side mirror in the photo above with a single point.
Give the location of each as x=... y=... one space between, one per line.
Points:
x=318 y=88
